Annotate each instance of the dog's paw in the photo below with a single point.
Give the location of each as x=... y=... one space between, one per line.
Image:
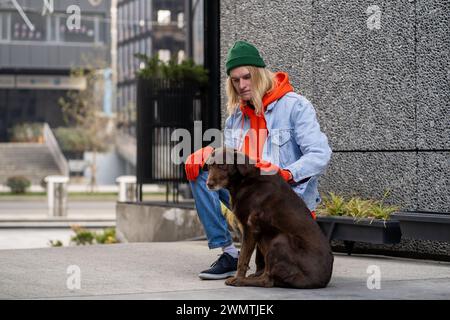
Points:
x=233 y=281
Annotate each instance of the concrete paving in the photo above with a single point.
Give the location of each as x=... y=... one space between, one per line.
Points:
x=37 y=209
x=169 y=271
x=26 y=224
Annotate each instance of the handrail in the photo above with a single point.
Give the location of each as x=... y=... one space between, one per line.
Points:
x=50 y=141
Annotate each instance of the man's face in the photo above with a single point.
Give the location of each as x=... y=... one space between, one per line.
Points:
x=242 y=82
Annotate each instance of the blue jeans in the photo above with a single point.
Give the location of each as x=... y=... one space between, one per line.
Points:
x=209 y=211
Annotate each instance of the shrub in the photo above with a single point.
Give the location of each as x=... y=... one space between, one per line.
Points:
x=187 y=70
x=18 y=184
x=82 y=236
x=76 y=140
x=85 y=237
x=55 y=243
x=108 y=236
x=27 y=132
x=334 y=205
x=358 y=208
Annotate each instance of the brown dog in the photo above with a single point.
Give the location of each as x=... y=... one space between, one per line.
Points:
x=291 y=249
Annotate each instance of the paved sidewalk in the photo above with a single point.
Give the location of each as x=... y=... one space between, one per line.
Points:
x=37 y=210
x=169 y=271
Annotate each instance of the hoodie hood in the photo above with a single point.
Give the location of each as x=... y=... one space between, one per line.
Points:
x=282 y=87
x=254 y=141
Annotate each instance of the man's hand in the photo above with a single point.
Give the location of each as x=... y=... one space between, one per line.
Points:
x=270 y=168
x=196 y=161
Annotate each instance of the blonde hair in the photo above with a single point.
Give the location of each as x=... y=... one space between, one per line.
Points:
x=263 y=81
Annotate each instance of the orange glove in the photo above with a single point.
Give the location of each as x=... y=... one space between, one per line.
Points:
x=196 y=161
x=271 y=168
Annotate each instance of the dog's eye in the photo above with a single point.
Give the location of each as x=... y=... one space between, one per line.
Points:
x=222 y=166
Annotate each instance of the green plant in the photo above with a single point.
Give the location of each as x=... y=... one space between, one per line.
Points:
x=82 y=109
x=26 y=132
x=55 y=243
x=333 y=205
x=77 y=140
x=187 y=70
x=381 y=211
x=356 y=207
x=85 y=237
x=108 y=236
x=82 y=236
x=18 y=184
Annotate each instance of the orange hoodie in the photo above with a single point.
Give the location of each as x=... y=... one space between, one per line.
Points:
x=255 y=138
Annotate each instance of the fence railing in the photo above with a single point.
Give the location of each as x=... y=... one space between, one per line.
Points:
x=162 y=107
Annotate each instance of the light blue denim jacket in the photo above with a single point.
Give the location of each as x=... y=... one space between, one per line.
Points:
x=295 y=142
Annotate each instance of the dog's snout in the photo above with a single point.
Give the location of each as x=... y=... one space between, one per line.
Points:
x=209 y=184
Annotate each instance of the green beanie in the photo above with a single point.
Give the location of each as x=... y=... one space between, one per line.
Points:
x=243 y=54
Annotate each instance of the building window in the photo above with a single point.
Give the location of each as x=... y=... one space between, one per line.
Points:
x=21 y=32
x=4 y=17
x=120 y=24
x=142 y=46
x=180 y=20
x=149 y=47
x=86 y=32
x=181 y=56
x=149 y=15
x=142 y=18
x=163 y=17
x=164 y=55
x=125 y=22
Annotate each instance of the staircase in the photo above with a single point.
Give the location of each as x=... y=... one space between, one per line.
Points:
x=34 y=161
x=31 y=160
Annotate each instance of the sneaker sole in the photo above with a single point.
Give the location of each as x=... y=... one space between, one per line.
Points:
x=209 y=276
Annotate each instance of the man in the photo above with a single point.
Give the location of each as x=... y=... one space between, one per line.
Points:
x=272 y=125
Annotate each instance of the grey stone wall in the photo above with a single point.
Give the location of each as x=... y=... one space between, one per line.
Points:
x=382 y=96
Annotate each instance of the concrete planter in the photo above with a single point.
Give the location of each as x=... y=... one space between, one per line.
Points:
x=424 y=226
x=156 y=222
x=349 y=230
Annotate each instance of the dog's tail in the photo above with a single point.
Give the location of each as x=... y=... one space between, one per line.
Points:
x=233 y=223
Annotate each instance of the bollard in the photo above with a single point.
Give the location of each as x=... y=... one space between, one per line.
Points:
x=127 y=188
x=57 y=195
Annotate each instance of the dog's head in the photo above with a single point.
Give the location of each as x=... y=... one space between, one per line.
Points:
x=225 y=165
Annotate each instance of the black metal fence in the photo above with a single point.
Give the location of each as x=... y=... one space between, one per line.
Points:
x=162 y=107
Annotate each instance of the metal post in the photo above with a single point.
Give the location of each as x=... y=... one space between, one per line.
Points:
x=57 y=195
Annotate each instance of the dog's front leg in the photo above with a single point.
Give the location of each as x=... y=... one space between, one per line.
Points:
x=247 y=248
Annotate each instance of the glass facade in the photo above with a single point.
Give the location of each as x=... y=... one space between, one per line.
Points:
x=36 y=62
x=52 y=28
x=147 y=27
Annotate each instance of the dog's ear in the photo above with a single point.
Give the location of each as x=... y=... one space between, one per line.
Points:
x=243 y=164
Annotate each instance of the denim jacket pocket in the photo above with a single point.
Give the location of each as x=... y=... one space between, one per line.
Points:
x=280 y=152
x=280 y=137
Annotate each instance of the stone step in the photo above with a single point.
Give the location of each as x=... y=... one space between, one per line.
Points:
x=32 y=160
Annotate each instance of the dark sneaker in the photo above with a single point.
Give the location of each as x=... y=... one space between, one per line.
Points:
x=223 y=268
